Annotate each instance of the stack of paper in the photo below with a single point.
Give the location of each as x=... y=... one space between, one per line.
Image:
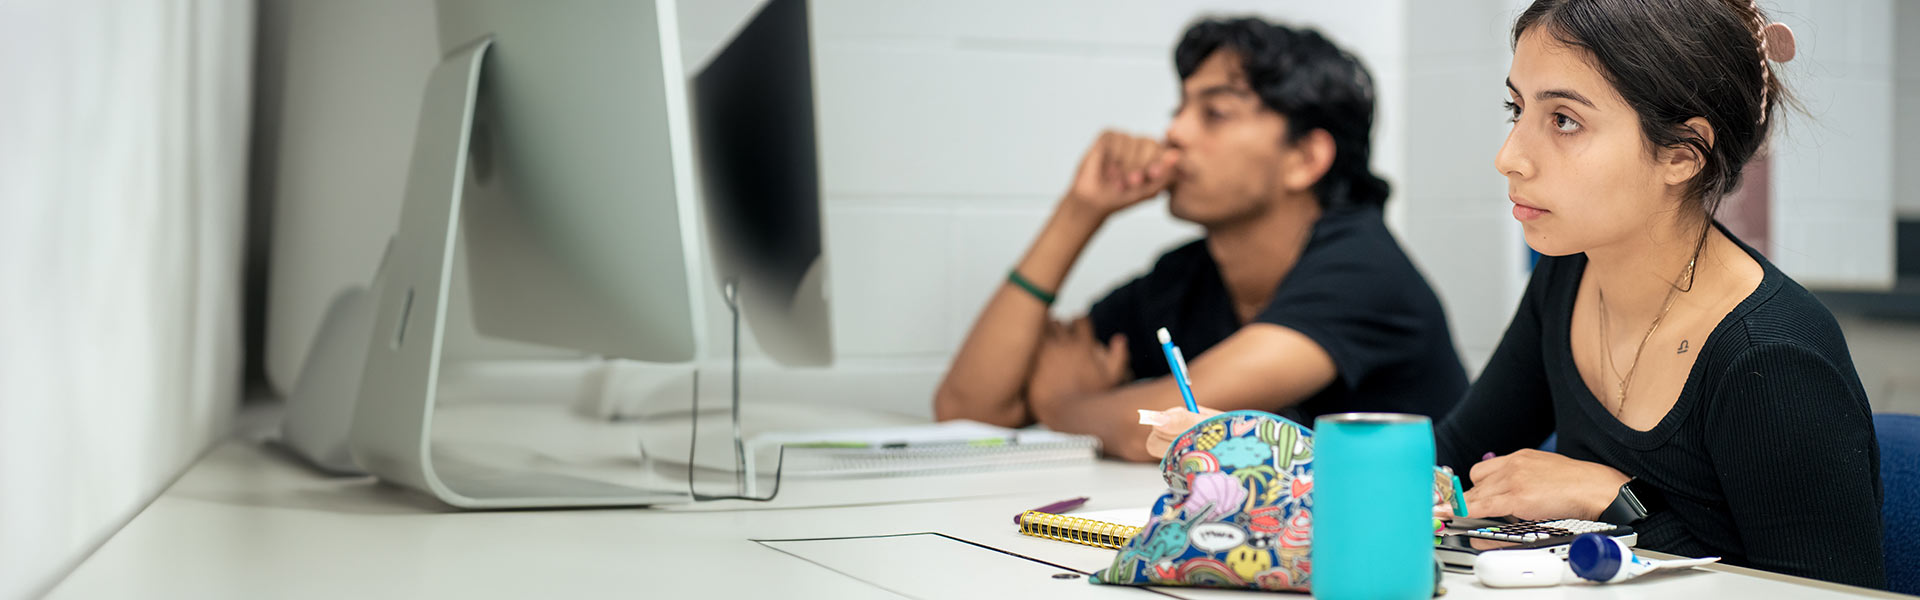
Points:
x=940 y=447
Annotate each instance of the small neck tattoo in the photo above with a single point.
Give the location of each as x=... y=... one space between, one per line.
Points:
x=1624 y=380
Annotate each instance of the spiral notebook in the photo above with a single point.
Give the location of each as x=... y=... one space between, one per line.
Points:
x=1105 y=529
x=952 y=446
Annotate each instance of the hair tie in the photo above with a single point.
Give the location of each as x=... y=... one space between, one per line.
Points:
x=1776 y=44
x=1776 y=40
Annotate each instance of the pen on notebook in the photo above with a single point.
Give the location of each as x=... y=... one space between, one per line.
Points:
x=1055 y=508
x=1178 y=364
x=1007 y=440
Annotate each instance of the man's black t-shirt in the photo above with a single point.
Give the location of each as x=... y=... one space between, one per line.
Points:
x=1353 y=292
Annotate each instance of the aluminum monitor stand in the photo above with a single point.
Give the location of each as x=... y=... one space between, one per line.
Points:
x=393 y=421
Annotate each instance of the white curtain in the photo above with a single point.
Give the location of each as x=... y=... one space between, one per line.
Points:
x=123 y=144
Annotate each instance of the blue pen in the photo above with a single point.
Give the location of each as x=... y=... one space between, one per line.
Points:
x=1178 y=364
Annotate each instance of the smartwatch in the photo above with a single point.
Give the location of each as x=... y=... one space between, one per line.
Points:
x=1635 y=500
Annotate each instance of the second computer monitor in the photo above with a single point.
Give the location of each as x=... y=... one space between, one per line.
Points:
x=589 y=146
x=754 y=130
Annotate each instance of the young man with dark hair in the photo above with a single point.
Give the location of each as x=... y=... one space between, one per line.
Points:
x=1297 y=301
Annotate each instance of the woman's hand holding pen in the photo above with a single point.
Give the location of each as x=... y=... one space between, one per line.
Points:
x=1172 y=422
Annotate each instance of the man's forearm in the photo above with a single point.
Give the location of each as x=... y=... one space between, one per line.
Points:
x=1113 y=416
x=995 y=360
x=1059 y=244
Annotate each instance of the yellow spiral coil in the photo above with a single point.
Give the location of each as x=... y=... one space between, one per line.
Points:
x=1099 y=534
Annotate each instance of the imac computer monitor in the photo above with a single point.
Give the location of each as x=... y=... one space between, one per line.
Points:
x=557 y=138
x=579 y=218
x=754 y=120
x=580 y=222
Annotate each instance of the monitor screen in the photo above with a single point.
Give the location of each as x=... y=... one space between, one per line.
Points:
x=754 y=124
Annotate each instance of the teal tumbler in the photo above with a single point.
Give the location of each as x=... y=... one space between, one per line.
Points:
x=1373 y=506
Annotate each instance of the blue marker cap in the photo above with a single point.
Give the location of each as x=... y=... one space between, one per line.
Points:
x=1594 y=557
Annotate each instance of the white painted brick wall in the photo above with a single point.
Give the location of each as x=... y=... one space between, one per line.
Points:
x=950 y=128
x=1833 y=167
x=1453 y=201
x=1906 y=106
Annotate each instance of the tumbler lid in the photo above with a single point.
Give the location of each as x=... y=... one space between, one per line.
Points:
x=1373 y=417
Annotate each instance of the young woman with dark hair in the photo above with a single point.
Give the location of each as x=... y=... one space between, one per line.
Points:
x=1698 y=393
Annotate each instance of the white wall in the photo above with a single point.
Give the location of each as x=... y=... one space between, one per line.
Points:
x=1456 y=224
x=1906 y=108
x=1833 y=175
x=122 y=175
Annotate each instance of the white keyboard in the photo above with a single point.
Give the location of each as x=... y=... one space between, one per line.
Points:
x=1531 y=531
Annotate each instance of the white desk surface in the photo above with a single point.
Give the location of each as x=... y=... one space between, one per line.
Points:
x=249 y=522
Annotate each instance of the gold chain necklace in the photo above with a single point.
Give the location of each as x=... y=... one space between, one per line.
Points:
x=1606 y=349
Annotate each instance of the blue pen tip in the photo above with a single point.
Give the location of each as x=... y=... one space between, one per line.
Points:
x=1165 y=338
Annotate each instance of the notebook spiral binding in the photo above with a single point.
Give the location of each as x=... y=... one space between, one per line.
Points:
x=1099 y=534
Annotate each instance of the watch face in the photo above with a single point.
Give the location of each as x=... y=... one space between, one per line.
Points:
x=1626 y=507
x=1647 y=497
